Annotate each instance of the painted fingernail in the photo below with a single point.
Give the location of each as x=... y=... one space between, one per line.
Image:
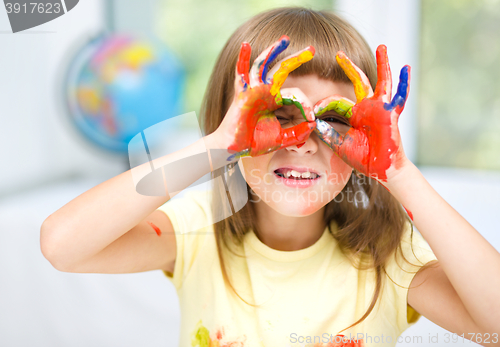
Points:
x=300 y=144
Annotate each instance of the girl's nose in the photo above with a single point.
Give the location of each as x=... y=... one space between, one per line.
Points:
x=308 y=147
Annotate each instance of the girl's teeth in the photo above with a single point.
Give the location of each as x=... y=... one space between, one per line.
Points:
x=300 y=175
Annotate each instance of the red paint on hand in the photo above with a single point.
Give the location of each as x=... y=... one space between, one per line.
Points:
x=252 y=121
x=373 y=144
x=155 y=228
x=368 y=145
x=259 y=131
x=244 y=62
x=409 y=213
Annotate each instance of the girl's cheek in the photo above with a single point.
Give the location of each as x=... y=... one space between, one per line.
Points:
x=340 y=172
x=255 y=169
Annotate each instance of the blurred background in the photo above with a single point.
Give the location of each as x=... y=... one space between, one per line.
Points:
x=74 y=91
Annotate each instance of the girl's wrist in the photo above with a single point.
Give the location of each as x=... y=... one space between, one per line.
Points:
x=217 y=149
x=214 y=141
x=401 y=176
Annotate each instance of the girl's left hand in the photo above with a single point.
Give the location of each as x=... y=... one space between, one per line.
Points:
x=372 y=145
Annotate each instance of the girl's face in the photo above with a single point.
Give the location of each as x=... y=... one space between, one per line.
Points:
x=321 y=173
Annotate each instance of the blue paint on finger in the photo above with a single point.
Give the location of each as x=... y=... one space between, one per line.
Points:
x=275 y=51
x=402 y=94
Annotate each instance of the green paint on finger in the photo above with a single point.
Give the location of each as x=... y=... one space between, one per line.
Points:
x=293 y=101
x=341 y=107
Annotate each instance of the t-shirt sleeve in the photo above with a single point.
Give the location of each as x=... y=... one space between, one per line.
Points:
x=417 y=253
x=191 y=219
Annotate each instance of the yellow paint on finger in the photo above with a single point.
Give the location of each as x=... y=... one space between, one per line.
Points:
x=360 y=88
x=288 y=66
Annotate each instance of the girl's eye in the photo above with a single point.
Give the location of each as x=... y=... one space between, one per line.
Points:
x=282 y=120
x=337 y=120
x=339 y=123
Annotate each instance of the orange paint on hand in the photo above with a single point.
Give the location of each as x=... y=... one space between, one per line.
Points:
x=155 y=228
x=409 y=213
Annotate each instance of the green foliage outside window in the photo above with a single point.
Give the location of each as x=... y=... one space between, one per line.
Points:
x=459 y=107
x=196 y=31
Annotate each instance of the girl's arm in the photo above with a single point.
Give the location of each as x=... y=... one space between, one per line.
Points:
x=462 y=293
x=107 y=229
x=459 y=293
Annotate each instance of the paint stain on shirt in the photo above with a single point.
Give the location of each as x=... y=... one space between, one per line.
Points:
x=201 y=337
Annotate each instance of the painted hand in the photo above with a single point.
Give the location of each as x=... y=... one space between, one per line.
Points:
x=250 y=127
x=372 y=145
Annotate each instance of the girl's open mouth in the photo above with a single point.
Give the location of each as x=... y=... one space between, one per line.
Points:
x=297 y=178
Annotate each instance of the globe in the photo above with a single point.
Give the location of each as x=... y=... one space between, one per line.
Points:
x=119 y=85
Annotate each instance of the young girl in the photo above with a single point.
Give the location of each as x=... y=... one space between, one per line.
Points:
x=318 y=245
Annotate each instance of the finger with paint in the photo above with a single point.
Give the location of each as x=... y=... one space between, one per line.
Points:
x=326 y=132
x=399 y=101
x=362 y=86
x=250 y=121
x=296 y=134
x=373 y=145
x=261 y=64
x=283 y=68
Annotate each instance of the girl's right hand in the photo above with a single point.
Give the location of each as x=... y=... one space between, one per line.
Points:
x=249 y=127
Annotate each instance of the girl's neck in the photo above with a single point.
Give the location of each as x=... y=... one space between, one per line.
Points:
x=285 y=233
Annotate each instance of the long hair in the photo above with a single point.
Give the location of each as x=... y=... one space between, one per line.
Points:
x=371 y=229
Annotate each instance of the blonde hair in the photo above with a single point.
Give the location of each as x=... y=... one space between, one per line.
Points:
x=364 y=232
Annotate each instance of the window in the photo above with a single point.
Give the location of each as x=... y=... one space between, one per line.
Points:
x=459 y=102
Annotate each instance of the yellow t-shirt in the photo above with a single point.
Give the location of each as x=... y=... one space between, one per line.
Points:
x=305 y=297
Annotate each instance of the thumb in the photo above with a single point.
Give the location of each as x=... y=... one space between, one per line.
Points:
x=296 y=134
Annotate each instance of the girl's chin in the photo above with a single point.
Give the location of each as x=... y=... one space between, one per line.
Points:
x=295 y=208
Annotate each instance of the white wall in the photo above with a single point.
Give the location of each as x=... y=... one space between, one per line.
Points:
x=37 y=142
